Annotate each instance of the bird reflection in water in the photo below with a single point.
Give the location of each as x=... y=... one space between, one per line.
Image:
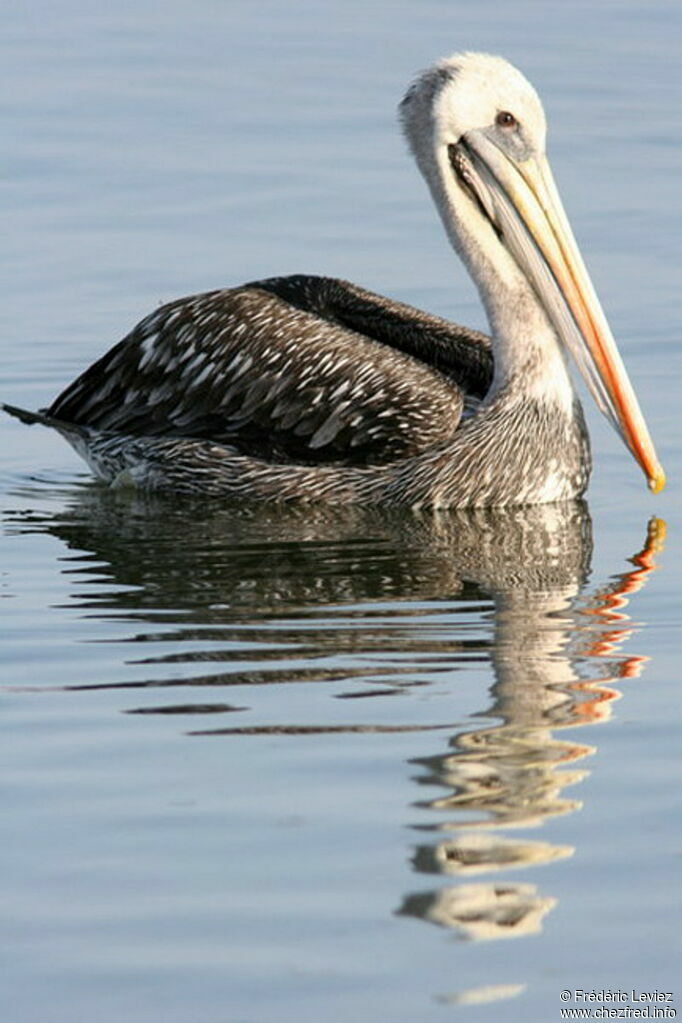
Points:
x=547 y=655
x=218 y=577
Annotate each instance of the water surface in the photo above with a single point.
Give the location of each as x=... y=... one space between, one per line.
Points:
x=271 y=764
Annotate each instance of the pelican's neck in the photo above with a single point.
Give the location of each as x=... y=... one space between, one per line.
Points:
x=528 y=357
x=529 y=361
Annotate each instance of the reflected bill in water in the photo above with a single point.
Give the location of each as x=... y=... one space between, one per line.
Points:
x=557 y=664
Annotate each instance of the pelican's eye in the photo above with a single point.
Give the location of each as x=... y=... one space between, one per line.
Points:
x=506 y=120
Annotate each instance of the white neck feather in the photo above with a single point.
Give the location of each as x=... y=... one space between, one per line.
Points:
x=528 y=356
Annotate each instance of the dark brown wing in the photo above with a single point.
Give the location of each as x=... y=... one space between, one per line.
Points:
x=460 y=353
x=275 y=378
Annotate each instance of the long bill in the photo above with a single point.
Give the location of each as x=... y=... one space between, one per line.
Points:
x=523 y=203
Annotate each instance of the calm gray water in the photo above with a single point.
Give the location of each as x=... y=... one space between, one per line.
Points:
x=266 y=765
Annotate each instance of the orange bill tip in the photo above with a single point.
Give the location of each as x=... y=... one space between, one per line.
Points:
x=657 y=480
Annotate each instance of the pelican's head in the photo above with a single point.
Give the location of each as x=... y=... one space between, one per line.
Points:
x=469 y=92
x=477 y=129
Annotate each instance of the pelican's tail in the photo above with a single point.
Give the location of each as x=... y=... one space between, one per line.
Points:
x=68 y=430
x=27 y=417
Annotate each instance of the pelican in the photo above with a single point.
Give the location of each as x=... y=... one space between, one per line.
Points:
x=311 y=388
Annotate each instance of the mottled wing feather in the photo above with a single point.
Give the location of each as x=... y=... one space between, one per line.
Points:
x=460 y=353
x=250 y=368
